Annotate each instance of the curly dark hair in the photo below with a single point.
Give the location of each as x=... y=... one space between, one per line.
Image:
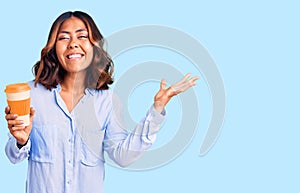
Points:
x=49 y=72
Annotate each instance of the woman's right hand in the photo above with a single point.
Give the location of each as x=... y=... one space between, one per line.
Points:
x=21 y=133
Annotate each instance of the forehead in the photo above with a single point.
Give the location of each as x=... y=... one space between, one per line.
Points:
x=72 y=24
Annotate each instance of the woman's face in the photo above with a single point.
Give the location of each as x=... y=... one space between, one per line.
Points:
x=73 y=47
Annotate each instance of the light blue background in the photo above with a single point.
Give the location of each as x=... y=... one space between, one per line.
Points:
x=256 y=47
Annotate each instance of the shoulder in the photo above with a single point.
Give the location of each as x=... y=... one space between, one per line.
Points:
x=35 y=87
x=38 y=90
x=106 y=97
x=102 y=94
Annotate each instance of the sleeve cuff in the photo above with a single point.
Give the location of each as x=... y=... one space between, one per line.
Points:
x=21 y=148
x=155 y=117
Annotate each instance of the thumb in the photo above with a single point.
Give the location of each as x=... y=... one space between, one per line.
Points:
x=163 y=84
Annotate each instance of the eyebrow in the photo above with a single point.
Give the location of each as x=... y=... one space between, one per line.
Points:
x=77 y=31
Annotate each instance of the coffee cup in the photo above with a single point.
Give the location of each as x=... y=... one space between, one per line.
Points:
x=18 y=99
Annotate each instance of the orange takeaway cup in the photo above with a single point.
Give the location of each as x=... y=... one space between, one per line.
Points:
x=18 y=99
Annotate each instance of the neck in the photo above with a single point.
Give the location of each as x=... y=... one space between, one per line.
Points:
x=73 y=83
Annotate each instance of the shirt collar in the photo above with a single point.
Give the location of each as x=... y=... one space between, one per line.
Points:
x=91 y=91
x=87 y=90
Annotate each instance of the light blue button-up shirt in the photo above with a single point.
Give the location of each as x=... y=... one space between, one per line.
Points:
x=65 y=150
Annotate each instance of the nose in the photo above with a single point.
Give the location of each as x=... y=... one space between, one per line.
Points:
x=73 y=44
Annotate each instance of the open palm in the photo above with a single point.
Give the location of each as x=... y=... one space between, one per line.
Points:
x=165 y=94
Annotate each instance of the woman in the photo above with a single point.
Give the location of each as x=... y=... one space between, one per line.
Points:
x=77 y=118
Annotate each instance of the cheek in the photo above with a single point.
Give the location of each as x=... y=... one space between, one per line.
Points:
x=90 y=52
x=58 y=50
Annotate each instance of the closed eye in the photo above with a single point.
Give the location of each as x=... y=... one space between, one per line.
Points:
x=82 y=37
x=63 y=38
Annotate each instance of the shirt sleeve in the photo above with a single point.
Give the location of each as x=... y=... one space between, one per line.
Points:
x=124 y=146
x=14 y=154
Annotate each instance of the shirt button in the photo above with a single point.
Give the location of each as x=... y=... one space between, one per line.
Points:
x=69 y=182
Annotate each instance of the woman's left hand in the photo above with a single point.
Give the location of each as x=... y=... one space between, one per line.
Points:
x=165 y=94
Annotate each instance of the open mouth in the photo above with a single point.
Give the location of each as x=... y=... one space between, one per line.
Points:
x=74 y=56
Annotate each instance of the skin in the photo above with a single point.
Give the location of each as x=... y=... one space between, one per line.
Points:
x=165 y=94
x=75 y=51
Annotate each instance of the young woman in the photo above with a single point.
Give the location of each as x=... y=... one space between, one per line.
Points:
x=74 y=115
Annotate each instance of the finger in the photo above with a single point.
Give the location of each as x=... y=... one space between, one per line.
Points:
x=193 y=80
x=186 y=85
x=163 y=84
x=15 y=122
x=190 y=82
x=32 y=111
x=7 y=110
x=182 y=88
x=11 y=116
x=173 y=91
x=182 y=81
x=17 y=128
x=184 y=78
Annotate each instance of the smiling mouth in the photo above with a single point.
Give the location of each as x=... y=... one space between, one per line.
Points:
x=74 y=56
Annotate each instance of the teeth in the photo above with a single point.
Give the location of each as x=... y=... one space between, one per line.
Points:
x=74 y=56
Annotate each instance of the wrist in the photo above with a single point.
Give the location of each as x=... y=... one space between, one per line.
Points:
x=159 y=107
x=20 y=144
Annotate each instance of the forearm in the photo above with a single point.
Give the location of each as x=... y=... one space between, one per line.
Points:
x=126 y=148
x=159 y=107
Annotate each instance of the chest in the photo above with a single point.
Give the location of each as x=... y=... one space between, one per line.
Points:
x=57 y=133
